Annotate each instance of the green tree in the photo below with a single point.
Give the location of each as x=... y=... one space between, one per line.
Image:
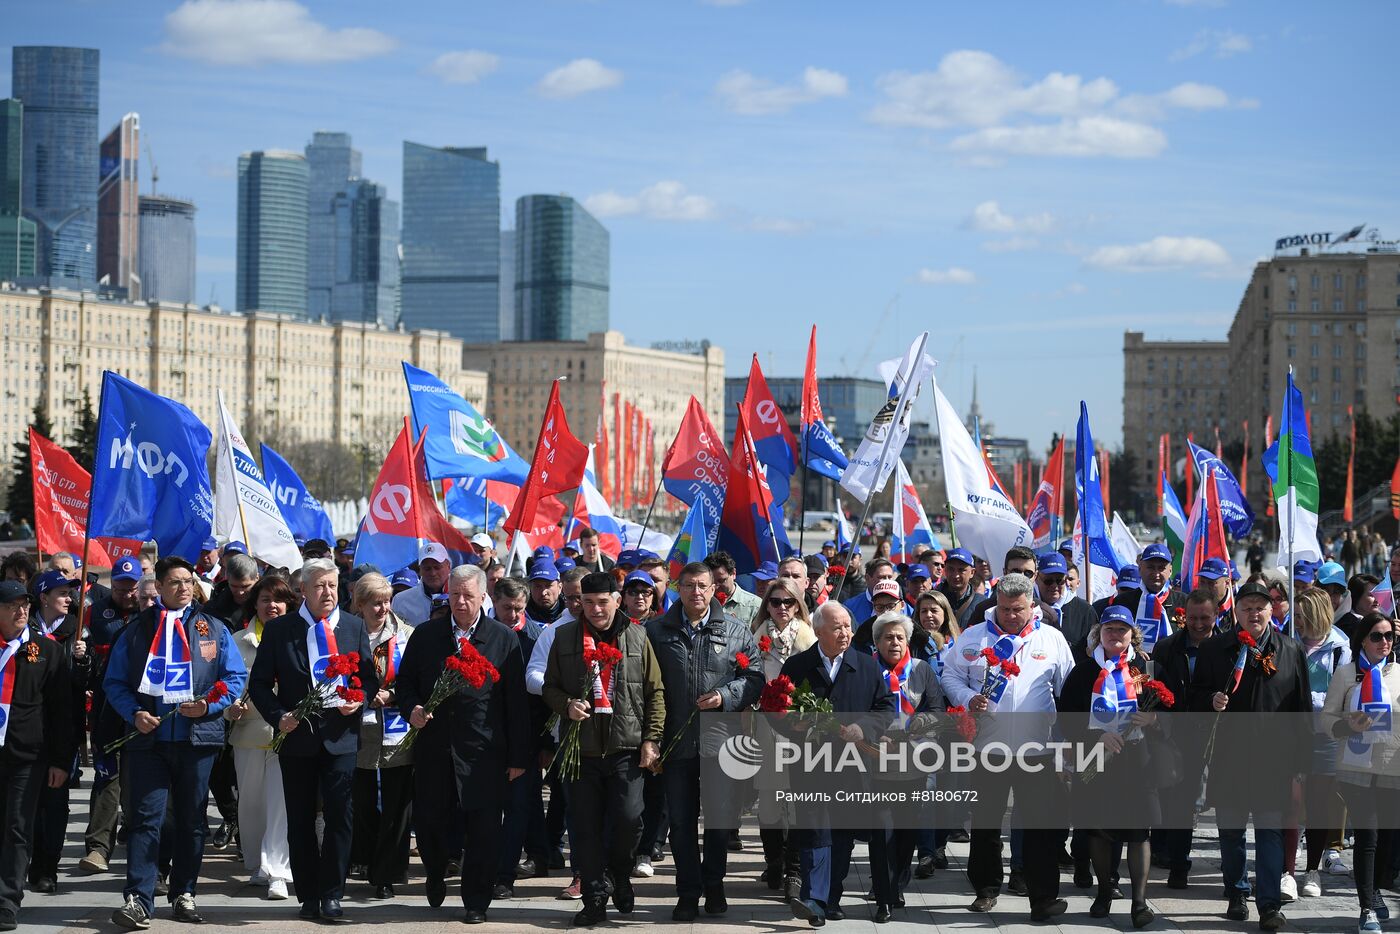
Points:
x=20 y=501
x=85 y=435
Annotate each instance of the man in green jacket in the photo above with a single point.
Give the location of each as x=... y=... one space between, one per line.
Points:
x=621 y=713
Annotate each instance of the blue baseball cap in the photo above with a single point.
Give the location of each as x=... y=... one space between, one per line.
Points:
x=1304 y=571
x=52 y=580
x=562 y=564
x=766 y=571
x=1234 y=571
x=1066 y=545
x=1052 y=563
x=299 y=541
x=544 y=570
x=629 y=558
x=126 y=569
x=210 y=544
x=235 y=548
x=828 y=544
x=638 y=577
x=544 y=551
x=960 y=554
x=1116 y=614
x=1331 y=573
x=1156 y=552
x=12 y=592
x=1129 y=578
x=406 y=578
x=1213 y=569
x=647 y=556
x=917 y=572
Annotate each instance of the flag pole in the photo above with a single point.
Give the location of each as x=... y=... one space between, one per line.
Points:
x=1292 y=504
x=899 y=408
x=646 y=523
x=92 y=494
x=802 y=515
x=753 y=458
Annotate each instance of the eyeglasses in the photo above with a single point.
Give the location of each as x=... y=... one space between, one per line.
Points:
x=180 y=581
x=1379 y=637
x=784 y=602
x=1024 y=572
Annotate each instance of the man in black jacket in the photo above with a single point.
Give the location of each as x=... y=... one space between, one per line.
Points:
x=590 y=555
x=476 y=742
x=698 y=646
x=1073 y=617
x=1255 y=758
x=1157 y=606
x=319 y=754
x=36 y=748
x=852 y=682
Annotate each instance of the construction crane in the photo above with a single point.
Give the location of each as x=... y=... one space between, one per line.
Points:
x=155 y=170
x=858 y=368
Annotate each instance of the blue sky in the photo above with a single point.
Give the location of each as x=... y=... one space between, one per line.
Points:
x=1024 y=180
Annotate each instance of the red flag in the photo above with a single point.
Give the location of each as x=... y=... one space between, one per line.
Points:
x=557 y=465
x=651 y=461
x=626 y=442
x=617 y=449
x=1190 y=469
x=600 y=454
x=1103 y=479
x=61 y=491
x=1351 y=468
x=746 y=527
x=1244 y=463
x=811 y=398
x=1268 y=441
x=1163 y=443
x=1395 y=490
x=638 y=497
x=772 y=438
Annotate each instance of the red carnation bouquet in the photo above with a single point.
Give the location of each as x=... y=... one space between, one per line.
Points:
x=765 y=644
x=321 y=696
x=467 y=667
x=597 y=661
x=964 y=722
x=998 y=670
x=217 y=692
x=776 y=696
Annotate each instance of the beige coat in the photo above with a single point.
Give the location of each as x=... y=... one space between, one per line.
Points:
x=1385 y=764
x=249 y=731
x=797 y=637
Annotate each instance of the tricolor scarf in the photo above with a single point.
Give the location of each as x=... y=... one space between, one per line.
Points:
x=1152 y=617
x=167 y=674
x=602 y=676
x=898 y=680
x=320 y=646
x=9 y=668
x=1115 y=693
x=1372 y=699
x=395 y=726
x=1007 y=645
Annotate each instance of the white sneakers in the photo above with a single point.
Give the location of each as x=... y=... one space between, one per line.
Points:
x=276 y=889
x=643 y=869
x=1368 y=923
x=1333 y=865
x=1312 y=884
x=1288 y=889
x=259 y=878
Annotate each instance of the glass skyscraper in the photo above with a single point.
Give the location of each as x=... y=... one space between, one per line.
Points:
x=507 y=285
x=332 y=163
x=118 y=217
x=58 y=87
x=451 y=242
x=561 y=270
x=16 y=230
x=365 y=273
x=167 y=249
x=272 y=193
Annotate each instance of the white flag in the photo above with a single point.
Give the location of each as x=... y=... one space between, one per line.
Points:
x=245 y=510
x=873 y=462
x=1125 y=545
x=985 y=521
x=1105 y=580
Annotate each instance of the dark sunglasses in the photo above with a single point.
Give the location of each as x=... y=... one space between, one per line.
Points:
x=782 y=601
x=1379 y=637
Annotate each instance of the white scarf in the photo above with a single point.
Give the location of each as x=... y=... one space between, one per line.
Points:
x=1371 y=698
x=1114 y=696
x=168 y=674
x=320 y=646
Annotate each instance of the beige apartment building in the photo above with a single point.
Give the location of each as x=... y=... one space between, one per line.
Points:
x=282 y=377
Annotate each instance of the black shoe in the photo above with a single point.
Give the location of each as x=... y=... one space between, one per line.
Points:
x=1271 y=919
x=1143 y=916
x=882 y=914
x=657 y=854
x=454 y=869
x=959 y=836
x=1064 y=859
x=45 y=885
x=595 y=911
x=715 y=903
x=383 y=891
x=807 y=910
x=1178 y=879
x=835 y=914
x=1016 y=883
x=310 y=911
x=940 y=858
x=358 y=871
x=1083 y=874
x=525 y=868
x=924 y=870
x=735 y=844
x=224 y=835
x=1237 y=910
x=899 y=901
x=437 y=892
x=686 y=910
x=1103 y=903
x=472 y=916
x=330 y=908
x=623 y=898
x=1117 y=892
x=503 y=891
x=773 y=876
x=1047 y=910
x=184 y=911
x=556 y=859
x=984 y=902
x=163 y=884
x=8 y=920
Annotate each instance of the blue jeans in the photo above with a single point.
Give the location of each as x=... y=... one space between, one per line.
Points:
x=1268 y=854
x=178 y=772
x=523 y=828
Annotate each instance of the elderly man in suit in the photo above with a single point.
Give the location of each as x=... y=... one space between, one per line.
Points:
x=851 y=680
x=476 y=742
x=319 y=753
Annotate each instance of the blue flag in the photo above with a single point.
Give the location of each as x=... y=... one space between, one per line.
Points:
x=303 y=512
x=461 y=443
x=466 y=499
x=821 y=452
x=1091 y=506
x=150 y=478
x=1239 y=518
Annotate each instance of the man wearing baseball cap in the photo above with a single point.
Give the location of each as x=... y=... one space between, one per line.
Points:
x=1062 y=607
x=862 y=605
x=885 y=597
x=414 y=606
x=545 y=605
x=485 y=547
x=1214 y=575
x=957 y=581
x=1155 y=603
x=37 y=744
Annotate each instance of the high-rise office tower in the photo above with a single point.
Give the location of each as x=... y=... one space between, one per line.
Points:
x=166 y=254
x=561 y=270
x=118 y=207
x=58 y=87
x=332 y=163
x=16 y=230
x=450 y=279
x=272 y=192
x=507 y=285
x=366 y=269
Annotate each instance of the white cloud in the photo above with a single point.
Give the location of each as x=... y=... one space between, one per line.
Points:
x=1011 y=245
x=988 y=217
x=580 y=76
x=1223 y=43
x=258 y=32
x=780 y=225
x=467 y=67
x=953 y=275
x=1189 y=95
x=745 y=94
x=1086 y=136
x=664 y=201
x=1161 y=253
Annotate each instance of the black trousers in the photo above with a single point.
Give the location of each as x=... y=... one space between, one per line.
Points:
x=383 y=809
x=318 y=872
x=223 y=785
x=19 y=800
x=1037 y=793
x=607 y=795
x=449 y=813
x=697 y=869
x=1372 y=811
x=523 y=830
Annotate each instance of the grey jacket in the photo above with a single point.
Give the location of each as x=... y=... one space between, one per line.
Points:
x=743 y=606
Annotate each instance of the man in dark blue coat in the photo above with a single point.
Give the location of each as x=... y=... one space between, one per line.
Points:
x=318 y=754
x=471 y=747
x=852 y=682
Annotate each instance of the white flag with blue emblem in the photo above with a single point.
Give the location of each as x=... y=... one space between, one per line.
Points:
x=245 y=509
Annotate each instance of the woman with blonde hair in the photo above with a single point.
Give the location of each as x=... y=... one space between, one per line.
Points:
x=935 y=628
x=784 y=620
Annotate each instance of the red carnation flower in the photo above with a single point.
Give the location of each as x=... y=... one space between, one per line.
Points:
x=765 y=643
x=217 y=692
x=1245 y=638
x=1010 y=668
x=741 y=661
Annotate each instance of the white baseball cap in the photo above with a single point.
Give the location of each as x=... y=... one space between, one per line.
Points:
x=482 y=540
x=432 y=551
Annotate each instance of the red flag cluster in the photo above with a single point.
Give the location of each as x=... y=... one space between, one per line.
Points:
x=61 y=491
